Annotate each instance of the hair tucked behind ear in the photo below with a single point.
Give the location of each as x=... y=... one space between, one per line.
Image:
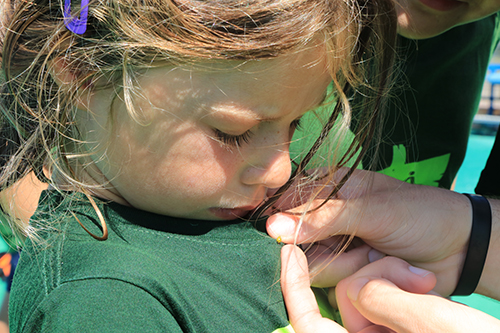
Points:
x=125 y=37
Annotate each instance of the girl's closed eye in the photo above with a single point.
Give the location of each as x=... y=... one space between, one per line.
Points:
x=233 y=140
x=238 y=140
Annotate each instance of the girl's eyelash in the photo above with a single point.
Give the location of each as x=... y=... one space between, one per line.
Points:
x=238 y=140
x=233 y=140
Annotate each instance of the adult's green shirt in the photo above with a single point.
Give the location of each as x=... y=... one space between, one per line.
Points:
x=429 y=120
x=430 y=112
x=153 y=274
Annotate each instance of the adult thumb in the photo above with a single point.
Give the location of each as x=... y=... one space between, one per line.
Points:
x=382 y=303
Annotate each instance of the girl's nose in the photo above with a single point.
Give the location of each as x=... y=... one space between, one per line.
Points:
x=272 y=169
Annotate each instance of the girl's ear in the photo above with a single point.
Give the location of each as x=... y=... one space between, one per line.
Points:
x=69 y=80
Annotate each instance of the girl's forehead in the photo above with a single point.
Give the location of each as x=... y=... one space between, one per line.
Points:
x=252 y=91
x=297 y=62
x=290 y=71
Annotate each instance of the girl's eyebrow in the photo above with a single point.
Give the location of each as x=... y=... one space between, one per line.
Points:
x=233 y=114
x=248 y=116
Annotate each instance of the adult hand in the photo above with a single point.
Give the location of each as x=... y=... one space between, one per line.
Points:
x=301 y=304
x=427 y=226
x=384 y=296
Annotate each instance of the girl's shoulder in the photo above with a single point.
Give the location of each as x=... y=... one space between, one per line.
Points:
x=230 y=261
x=140 y=246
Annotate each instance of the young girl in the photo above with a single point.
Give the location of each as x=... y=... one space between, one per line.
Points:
x=163 y=125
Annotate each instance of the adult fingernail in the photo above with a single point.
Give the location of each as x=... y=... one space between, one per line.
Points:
x=282 y=225
x=354 y=288
x=419 y=271
x=375 y=255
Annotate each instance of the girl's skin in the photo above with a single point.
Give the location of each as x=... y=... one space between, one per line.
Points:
x=21 y=199
x=211 y=142
x=419 y=19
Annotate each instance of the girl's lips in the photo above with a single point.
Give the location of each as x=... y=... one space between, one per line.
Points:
x=442 y=5
x=231 y=213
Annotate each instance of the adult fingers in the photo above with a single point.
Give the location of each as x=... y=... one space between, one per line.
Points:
x=367 y=217
x=327 y=269
x=393 y=216
x=383 y=303
x=398 y=272
x=337 y=216
x=300 y=302
x=311 y=227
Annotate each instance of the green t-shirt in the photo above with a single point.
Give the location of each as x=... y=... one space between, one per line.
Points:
x=153 y=274
x=428 y=121
x=430 y=117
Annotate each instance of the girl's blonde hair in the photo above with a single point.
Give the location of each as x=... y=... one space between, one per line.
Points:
x=124 y=37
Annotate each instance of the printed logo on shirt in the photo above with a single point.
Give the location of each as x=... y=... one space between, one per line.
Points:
x=426 y=172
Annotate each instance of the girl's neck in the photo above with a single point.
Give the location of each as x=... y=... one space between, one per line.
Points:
x=92 y=182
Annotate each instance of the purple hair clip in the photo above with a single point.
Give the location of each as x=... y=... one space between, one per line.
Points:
x=77 y=25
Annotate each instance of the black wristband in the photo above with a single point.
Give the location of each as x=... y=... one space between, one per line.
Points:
x=478 y=245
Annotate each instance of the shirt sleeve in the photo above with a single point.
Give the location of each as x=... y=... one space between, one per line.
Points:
x=100 y=305
x=489 y=182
